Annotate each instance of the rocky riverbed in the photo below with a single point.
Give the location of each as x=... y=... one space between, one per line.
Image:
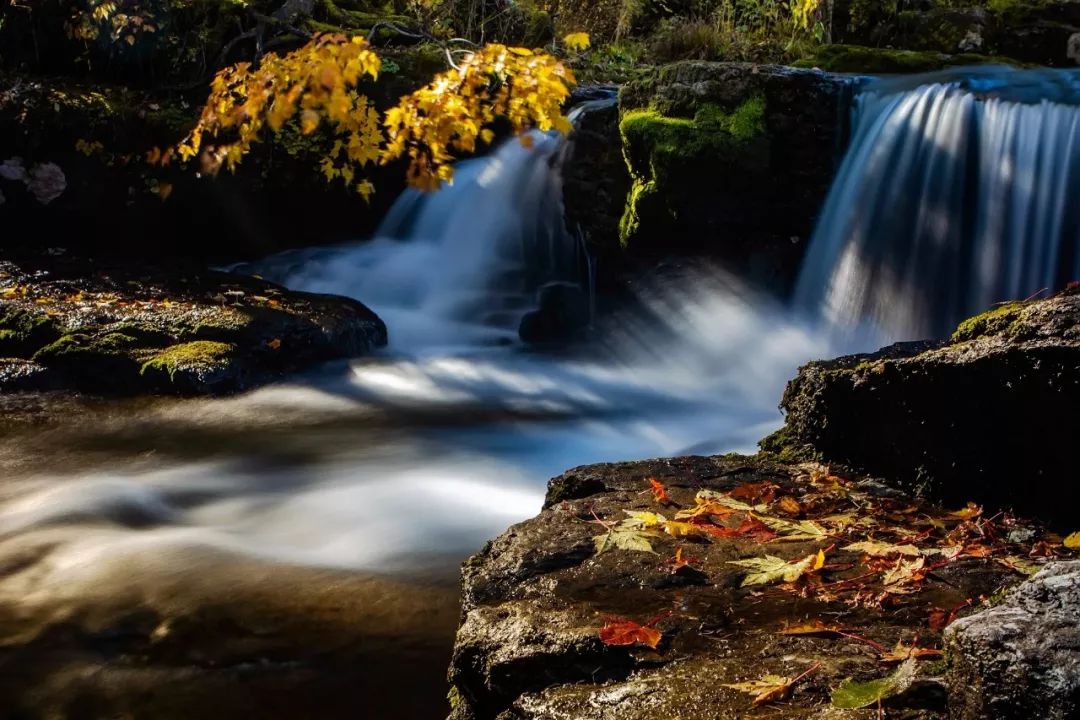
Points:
x=679 y=588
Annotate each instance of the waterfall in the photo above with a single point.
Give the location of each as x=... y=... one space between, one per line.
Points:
x=460 y=266
x=954 y=194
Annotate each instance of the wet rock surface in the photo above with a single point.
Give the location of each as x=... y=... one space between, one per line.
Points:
x=126 y=330
x=536 y=598
x=1021 y=658
x=988 y=415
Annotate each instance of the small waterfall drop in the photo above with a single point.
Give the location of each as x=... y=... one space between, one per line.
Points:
x=955 y=193
x=460 y=266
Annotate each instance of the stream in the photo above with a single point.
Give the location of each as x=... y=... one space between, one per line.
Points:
x=395 y=467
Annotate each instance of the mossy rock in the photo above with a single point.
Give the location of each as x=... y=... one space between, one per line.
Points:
x=670 y=156
x=880 y=61
x=199 y=366
x=23 y=331
x=992 y=322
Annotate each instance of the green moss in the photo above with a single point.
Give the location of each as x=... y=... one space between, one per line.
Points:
x=665 y=153
x=991 y=322
x=783 y=446
x=200 y=354
x=860 y=59
x=66 y=345
x=22 y=332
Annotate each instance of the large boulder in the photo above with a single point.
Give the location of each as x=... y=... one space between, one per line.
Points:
x=535 y=598
x=1020 y=659
x=730 y=160
x=128 y=330
x=989 y=414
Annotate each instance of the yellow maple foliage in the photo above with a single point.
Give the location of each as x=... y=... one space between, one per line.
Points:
x=319 y=83
x=457 y=108
x=316 y=83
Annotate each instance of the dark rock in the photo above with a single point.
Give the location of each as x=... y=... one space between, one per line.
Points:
x=562 y=314
x=126 y=330
x=731 y=160
x=1020 y=659
x=595 y=178
x=989 y=415
x=535 y=598
x=27 y=376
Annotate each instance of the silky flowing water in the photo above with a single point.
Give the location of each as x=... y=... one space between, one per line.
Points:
x=395 y=467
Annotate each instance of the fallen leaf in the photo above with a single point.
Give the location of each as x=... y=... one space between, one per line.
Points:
x=1072 y=541
x=684 y=529
x=729 y=502
x=643 y=519
x=811 y=627
x=902 y=653
x=794 y=530
x=619 y=631
x=880 y=549
x=274 y=344
x=621 y=537
x=705 y=509
x=789 y=506
x=759 y=493
x=770 y=688
x=905 y=572
x=659 y=491
x=1020 y=565
x=771 y=569
x=853 y=695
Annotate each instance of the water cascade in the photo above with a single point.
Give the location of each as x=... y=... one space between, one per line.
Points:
x=459 y=266
x=955 y=193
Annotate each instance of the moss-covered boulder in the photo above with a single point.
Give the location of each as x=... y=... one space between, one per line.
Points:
x=1030 y=31
x=730 y=160
x=883 y=61
x=988 y=415
x=118 y=329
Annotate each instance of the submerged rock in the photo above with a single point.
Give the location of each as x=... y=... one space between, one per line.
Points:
x=1020 y=658
x=128 y=330
x=988 y=415
x=535 y=599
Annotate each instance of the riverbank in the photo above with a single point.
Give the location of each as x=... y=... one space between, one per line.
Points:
x=687 y=585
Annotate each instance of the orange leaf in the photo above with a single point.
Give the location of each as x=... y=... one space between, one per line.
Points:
x=659 y=492
x=755 y=493
x=274 y=344
x=619 y=631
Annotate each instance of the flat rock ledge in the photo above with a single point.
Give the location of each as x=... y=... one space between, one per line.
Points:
x=988 y=415
x=536 y=597
x=70 y=325
x=1021 y=658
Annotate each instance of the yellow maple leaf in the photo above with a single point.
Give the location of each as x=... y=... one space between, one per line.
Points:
x=577 y=41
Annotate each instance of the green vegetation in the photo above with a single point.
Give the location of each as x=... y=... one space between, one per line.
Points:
x=199 y=355
x=667 y=154
x=859 y=59
x=991 y=322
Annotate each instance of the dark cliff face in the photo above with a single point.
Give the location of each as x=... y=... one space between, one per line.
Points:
x=988 y=415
